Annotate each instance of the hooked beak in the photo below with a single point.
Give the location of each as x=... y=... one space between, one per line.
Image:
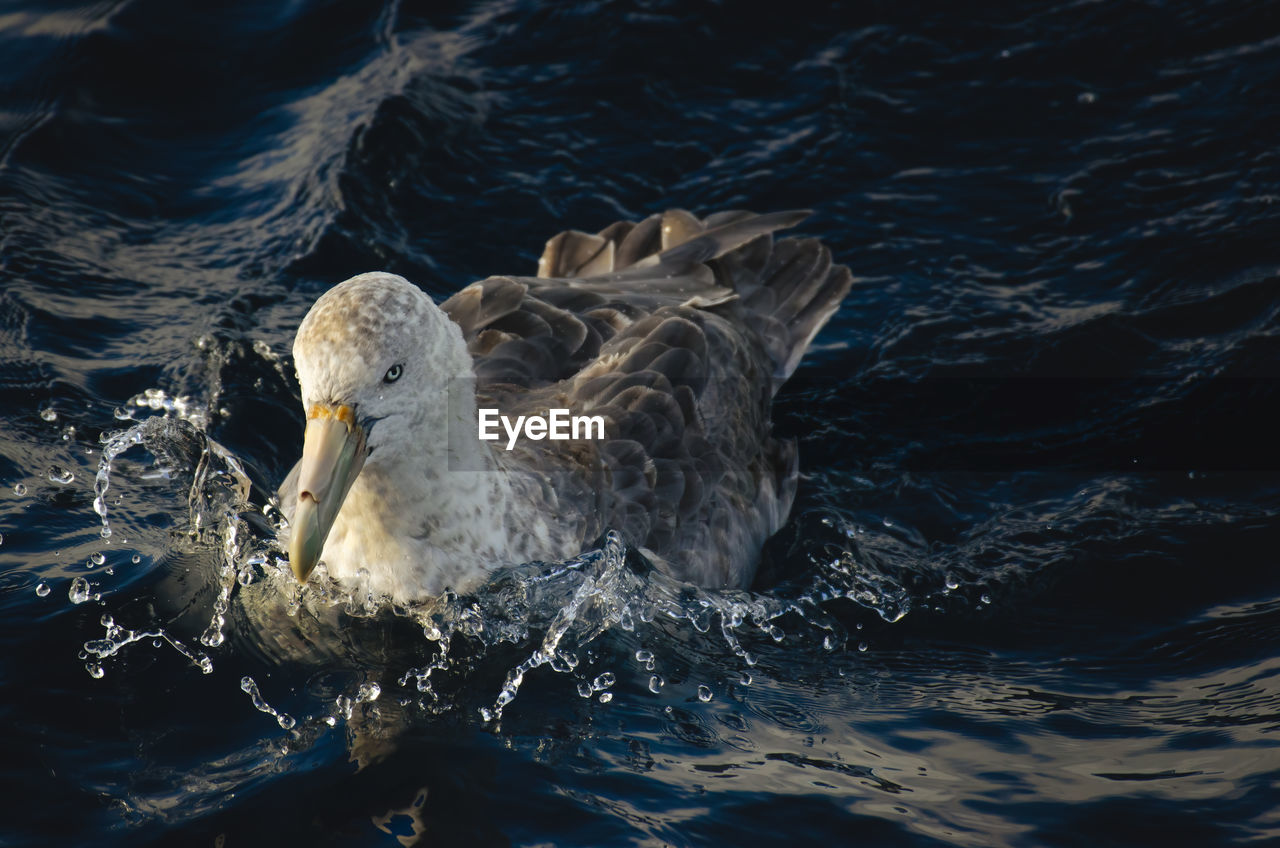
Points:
x=333 y=452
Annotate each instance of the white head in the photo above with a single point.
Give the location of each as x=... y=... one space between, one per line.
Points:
x=374 y=357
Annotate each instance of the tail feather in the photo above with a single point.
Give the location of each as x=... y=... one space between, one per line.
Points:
x=810 y=318
x=789 y=288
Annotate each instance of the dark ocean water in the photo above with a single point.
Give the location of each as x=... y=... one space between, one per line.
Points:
x=1030 y=594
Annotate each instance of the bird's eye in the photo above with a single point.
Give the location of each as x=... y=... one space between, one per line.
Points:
x=393 y=373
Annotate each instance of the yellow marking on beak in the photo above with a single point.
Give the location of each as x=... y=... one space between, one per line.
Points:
x=326 y=411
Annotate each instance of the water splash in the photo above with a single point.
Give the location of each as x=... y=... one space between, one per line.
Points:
x=117 y=638
x=564 y=617
x=112 y=447
x=218 y=489
x=285 y=720
x=218 y=481
x=561 y=615
x=79 y=591
x=182 y=407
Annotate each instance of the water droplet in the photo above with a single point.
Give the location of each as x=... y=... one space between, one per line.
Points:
x=105 y=532
x=829 y=642
x=136 y=559
x=49 y=414
x=286 y=721
x=704 y=693
x=888 y=522
x=79 y=591
x=862 y=646
x=1 y=538
x=106 y=620
x=95 y=670
x=486 y=714
x=584 y=691
x=745 y=678
x=20 y=489
x=951 y=582
x=644 y=656
x=656 y=683
x=98 y=558
x=985 y=598
x=42 y=589
x=606 y=697
x=368 y=692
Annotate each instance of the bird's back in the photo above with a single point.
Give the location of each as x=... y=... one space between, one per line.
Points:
x=677 y=332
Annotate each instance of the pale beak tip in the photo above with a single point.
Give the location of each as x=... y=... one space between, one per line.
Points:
x=307 y=539
x=301 y=570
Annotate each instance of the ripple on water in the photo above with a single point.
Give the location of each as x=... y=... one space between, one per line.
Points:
x=784 y=714
x=690 y=727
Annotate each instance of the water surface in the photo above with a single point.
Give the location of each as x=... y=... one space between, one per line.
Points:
x=1028 y=595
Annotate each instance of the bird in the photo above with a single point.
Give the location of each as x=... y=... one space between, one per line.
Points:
x=668 y=337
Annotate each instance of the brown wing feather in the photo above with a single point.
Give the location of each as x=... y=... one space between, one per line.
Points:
x=677 y=332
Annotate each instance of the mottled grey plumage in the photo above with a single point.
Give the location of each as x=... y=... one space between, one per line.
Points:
x=677 y=331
